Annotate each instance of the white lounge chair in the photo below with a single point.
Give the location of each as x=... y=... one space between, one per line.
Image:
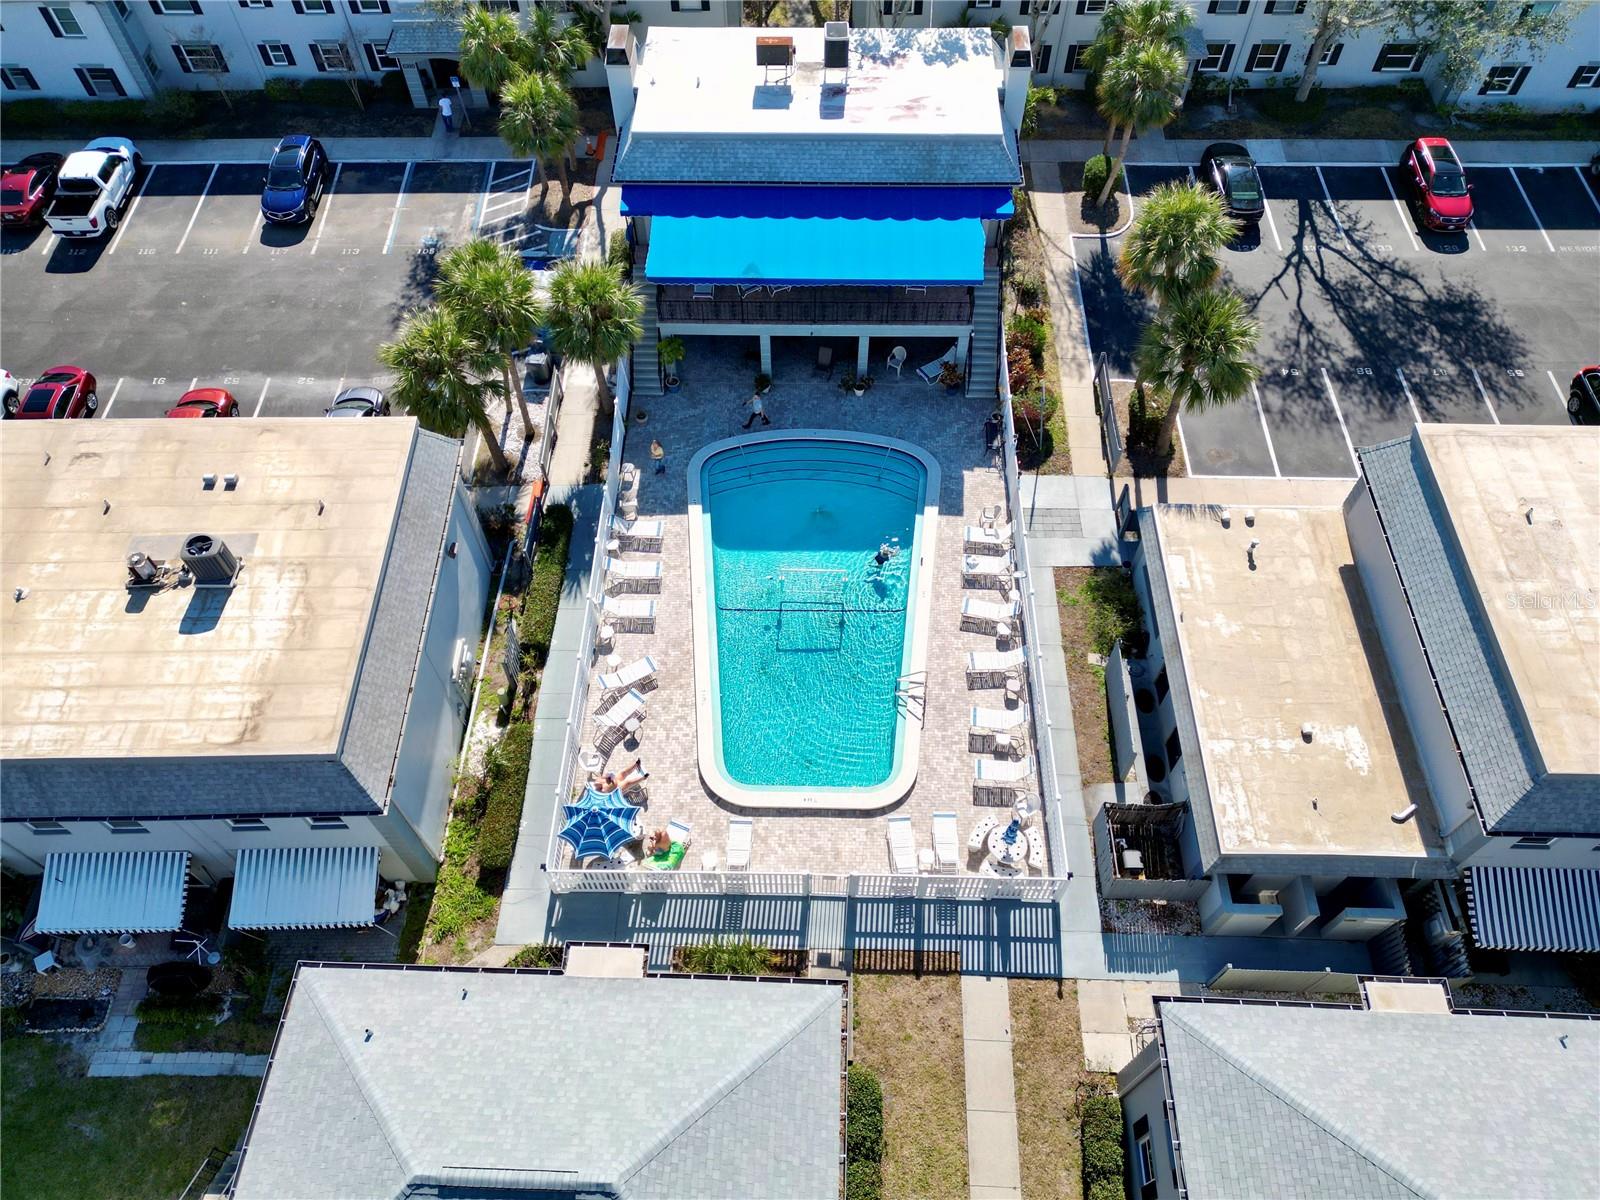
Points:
x=902 y=847
x=986 y=616
x=946 y=841
x=631 y=705
x=633 y=575
x=678 y=831
x=639 y=535
x=930 y=373
x=995 y=729
x=1000 y=778
x=640 y=673
x=989 y=668
x=740 y=832
x=979 y=540
x=630 y=614
x=988 y=570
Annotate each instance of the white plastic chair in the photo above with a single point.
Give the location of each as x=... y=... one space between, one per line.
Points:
x=740 y=832
x=946 y=841
x=902 y=847
x=897 y=359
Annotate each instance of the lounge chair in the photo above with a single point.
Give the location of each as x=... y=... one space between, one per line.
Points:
x=633 y=575
x=988 y=570
x=640 y=673
x=995 y=729
x=902 y=847
x=631 y=705
x=946 y=841
x=642 y=536
x=740 y=832
x=979 y=540
x=989 y=668
x=987 y=616
x=825 y=360
x=930 y=373
x=1000 y=777
x=678 y=830
x=897 y=359
x=630 y=614
x=1038 y=857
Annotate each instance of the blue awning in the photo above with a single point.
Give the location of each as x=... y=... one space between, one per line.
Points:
x=305 y=887
x=113 y=892
x=855 y=203
x=1535 y=908
x=814 y=251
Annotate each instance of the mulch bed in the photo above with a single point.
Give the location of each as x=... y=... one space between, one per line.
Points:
x=789 y=964
x=54 y=1014
x=1139 y=456
x=895 y=961
x=1086 y=217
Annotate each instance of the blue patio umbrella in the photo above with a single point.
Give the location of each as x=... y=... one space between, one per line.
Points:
x=598 y=825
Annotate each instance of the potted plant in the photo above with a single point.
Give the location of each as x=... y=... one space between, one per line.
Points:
x=951 y=376
x=670 y=351
x=859 y=384
x=763 y=384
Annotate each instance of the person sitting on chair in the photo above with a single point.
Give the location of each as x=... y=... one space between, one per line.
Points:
x=630 y=775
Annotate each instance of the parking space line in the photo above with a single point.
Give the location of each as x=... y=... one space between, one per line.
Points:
x=255 y=227
x=1339 y=413
x=1333 y=209
x=327 y=203
x=1484 y=393
x=1473 y=225
x=50 y=240
x=1265 y=432
x=1561 y=397
x=1271 y=224
x=1411 y=400
x=195 y=215
x=1524 y=194
x=262 y=399
x=1083 y=310
x=1586 y=190
x=1405 y=219
x=127 y=217
x=193 y=382
x=106 y=411
x=399 y=200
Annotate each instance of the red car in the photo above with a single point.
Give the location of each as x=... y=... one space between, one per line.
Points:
x=59 y=392
x=27 y=189
x=1439 y=188
x=205 y=402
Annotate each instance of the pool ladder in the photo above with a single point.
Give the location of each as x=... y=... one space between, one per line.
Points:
x=910 y=695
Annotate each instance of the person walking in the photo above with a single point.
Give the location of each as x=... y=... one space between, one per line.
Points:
x=757 y=409
x=659 y=453
x=447 y=110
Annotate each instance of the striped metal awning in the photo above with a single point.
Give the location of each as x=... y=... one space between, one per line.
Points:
x=304 y=887
x=1535 y=908
x=131 y=891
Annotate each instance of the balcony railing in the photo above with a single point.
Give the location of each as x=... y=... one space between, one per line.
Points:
x=729 y=304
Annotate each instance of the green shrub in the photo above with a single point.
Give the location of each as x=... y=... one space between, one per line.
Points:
x=1278 y=104
x=1023 y=375
x=740 y=957
x=179 y=1012
x=1028 y=288
x=279 y=89
x=1106 y=1189
x=543 y=597
x=328 y=92
x=458 y=900
x=863 y=1181
x=505 y=784
x=20 y=115
x=1028 y=334
x=1038 y=97
x=1101 y=1130
x=171 y=110
x=540 y=954
x=619 y=253
x=1094 y=175
x=863 y=1116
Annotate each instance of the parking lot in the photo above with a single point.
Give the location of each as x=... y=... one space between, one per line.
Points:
x=1369 y=325
x=194 y=290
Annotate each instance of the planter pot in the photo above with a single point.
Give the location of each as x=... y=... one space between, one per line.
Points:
x=859 y=391
x=673 y=383
x=640 y=416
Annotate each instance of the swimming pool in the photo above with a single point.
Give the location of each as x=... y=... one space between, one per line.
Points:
x=809 y=650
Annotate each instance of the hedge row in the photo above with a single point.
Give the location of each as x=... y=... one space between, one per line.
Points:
x=543 y=597
x=504 y=786
x=186 y=1012
x=863 y=1108
x=1101 y=1130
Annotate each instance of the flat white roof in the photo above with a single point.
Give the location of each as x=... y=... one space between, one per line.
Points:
x=935 y=83
x=91 y=669
x=1268 y=651
x=1524 y=504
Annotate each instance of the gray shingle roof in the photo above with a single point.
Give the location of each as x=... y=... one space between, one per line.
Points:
x=425 y=36
x=1295 y=1101
x=547 y=1085
x=1513 y=793
x=816 y=158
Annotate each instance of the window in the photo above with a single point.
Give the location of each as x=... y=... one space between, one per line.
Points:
x=900 y=8
x=1533 y=843
x=247 y=824
x=18 y=79
x=121 y=825
x=378 y=57
x=1585 y=77
x=369 y=6
x=200 y=58
x=1091 y=6
x=983 y=3
x=1330 y=56
x=255 y=3
x=176 y=8
x=1041 y=64
x=499 y=5
x=1504 y=81
x=704 y=6
x=1041 y=8
x=332 y=56
x=314 y=7
x=61 y=20
x=1162 y=685
x=1075 y=53
x=1219 y=57
x=1229 y=8
x=1144 y=1159
x=326 y=823
x=1399 y=56
x=275 y=54
x=51 y=827
x=1285 y=8
x=122 y=8
x=1174 y=749
x=100 y=81
x=1267 y=56
x=150 y=63
x=1542 y=9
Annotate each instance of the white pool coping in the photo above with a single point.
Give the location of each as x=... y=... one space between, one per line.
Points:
x=908 y=732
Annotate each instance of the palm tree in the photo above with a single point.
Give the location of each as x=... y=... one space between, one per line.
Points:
x=539 y=119
x=1197 y=353
x=557 y=49
x=1139 y=22
x=439 y=366
x=494 y=50
x=495 y=296
x=1141 y=87
x=593 y=315
x=1173 y=246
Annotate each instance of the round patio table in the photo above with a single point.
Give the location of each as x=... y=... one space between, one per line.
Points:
x=1007 y=854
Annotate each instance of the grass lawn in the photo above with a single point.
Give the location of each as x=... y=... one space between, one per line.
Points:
x=248 y=1032
x=908 y=1030
x=1098 y=608
x=69 y=1136
x=1047 y=1059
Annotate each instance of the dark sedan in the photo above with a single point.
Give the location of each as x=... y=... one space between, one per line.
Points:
x=359 y=402
x=296 y=175
x=1227 y=169
x=1583 y=401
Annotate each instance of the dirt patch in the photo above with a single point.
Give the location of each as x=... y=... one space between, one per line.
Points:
x=1098 y=608
x=1071 y=118
x=1140 y=428
x=549 y=205
x=1047 y=1061
x=1084 y=215
x=908 y=1031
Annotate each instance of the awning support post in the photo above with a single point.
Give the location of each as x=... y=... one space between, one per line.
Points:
x=863 y=352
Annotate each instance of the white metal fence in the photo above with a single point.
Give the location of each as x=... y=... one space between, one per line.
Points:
x=853 y=885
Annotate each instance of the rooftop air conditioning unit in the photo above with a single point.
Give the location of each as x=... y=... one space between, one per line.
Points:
x=836 y=45
x=210 y=561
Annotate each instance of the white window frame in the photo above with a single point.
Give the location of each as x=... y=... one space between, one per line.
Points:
x=63 y=15
x=314 y=8
x=1533 y=843
x=1330 y=56
x=327 y=823
x=366 y=8
x=12 y=81
x=1277 y=53
x=255 y=3
x=1414 y=63
x=1496 y=82
x=1073 y=63
x=1145 y=1159
x=125 y=825
x=188 y=9
x=1091 y=8
x=1230 y=8
x=1586 y=76
x=1284 y=8
x=1219 y=61
x=151 y=63
x=378 y=57
x=195 y=53
x=248 y=824
x=48 y=828
x=983 y=3
x=102 y=90
x=277 y=53
x=323 y=51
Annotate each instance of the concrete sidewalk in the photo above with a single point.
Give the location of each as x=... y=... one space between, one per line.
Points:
x=994 y=1160
x=440 y=146
x=1152 y=147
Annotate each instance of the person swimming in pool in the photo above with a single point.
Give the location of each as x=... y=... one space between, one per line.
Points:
x=885 y=553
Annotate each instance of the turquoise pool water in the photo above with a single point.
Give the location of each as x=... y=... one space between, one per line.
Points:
x=810 y=630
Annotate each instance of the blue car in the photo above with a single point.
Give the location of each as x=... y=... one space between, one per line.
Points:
x=296 y=175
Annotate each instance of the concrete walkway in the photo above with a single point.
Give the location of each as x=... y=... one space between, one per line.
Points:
x=994 y=1163
x=441 y=146
x=109 y=1063
x=1070 y=521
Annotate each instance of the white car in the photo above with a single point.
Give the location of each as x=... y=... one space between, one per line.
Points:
x=10 y=390
x=94 y=189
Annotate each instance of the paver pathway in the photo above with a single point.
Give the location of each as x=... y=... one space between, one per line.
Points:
x=994 y=1165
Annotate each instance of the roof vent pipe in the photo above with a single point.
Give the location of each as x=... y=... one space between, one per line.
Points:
x=1404 y=815
x=1250 y=552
